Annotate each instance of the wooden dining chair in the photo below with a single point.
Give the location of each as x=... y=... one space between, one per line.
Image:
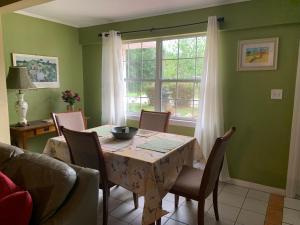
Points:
x=70 y=120
x=85 y=151
x=198 y=184
x=156 y=121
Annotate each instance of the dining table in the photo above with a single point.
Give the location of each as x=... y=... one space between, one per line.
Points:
x=148 y=164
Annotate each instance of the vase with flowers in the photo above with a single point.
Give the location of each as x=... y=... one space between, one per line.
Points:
x=71 y=98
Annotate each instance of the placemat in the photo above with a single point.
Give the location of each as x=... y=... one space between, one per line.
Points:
x=115 y=144
x=145 y=133
x=101 y=131
x=160 y=145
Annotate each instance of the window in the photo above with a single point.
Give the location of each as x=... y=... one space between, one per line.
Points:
x=164 y=75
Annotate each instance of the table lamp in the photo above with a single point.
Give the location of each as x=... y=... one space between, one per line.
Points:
x=18 y=78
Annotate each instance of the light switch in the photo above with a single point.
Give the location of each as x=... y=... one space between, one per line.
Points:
x=276 y=94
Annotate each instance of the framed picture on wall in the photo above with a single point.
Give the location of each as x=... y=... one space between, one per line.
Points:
x=258 y=54
x=43 y=70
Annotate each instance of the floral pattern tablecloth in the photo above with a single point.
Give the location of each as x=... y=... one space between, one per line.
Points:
x=148 y=173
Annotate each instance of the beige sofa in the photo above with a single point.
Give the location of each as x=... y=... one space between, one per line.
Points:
x=62 y=194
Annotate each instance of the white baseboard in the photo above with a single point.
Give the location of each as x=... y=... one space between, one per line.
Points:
x=258 y=187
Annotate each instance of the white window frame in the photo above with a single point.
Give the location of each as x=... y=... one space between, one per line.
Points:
x=174 y=120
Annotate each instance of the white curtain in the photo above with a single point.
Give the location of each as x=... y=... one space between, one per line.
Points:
x=210 y=123
x=293 y=178
x=113 y=84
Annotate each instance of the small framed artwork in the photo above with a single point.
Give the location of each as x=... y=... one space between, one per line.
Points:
x=258 y=54
x=43 y=70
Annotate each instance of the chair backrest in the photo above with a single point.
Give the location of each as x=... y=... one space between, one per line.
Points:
x=156 y=121
x=214 y=164
x=85 y=151
x=69 y=120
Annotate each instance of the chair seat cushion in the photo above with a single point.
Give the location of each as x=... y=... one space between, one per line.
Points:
x=188 y=182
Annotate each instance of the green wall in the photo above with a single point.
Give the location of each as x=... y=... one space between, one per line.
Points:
x=259 y=150
x=27 y=35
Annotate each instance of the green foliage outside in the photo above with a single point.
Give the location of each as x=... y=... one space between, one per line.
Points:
x=181 y=59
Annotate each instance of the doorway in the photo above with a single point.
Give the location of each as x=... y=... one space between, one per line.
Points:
x=293 y=178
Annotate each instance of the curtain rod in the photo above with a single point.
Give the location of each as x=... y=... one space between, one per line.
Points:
x=220 y=20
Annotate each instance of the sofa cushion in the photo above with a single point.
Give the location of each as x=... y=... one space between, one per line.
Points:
x=16 y=208
x=7 y=152
x=49 y=182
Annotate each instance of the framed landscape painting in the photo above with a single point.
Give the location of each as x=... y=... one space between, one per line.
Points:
x=43 y=70
x=258 y=54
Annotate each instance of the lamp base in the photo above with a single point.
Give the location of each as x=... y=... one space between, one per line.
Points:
x=21 y=108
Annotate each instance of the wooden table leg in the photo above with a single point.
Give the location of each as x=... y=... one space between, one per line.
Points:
x=21 y=142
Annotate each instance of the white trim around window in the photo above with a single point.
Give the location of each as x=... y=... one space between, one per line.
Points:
x=179 y=80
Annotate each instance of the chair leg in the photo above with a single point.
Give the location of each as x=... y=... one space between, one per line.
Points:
x=176 y=201
x=215 y=201
x=201 y=205
x=135 y=200
x=158 y=222
x=105 y=206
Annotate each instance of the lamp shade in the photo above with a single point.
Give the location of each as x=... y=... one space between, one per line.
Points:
x=18 y=78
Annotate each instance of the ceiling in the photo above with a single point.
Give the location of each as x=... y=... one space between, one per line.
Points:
x=83 y=13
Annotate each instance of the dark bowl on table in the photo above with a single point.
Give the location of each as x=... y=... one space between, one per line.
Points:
x=124 y=133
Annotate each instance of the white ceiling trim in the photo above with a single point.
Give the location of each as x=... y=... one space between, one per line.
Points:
x=130 y=17
x=22 y=12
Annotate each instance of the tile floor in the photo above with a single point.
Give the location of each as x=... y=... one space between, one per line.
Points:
x=291 y=212
x=237 y=206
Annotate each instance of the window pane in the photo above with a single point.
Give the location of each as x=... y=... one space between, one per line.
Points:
x=182 y=67
x=185 y=90
x=187 y=48
x=134 y=104
x=199 y=67
x=168 y=105
x=149 y=69
x=201 y=43
x=169 y=69
x=134 y=61
x=133 y=89
x=147 y=104
x=186 y=69
x=135 y=52
x=197 y=91
x=134 y=70
x=149 y=50
x=184 y=108
x=170 y=49
x=148 y=89
x=168 y=90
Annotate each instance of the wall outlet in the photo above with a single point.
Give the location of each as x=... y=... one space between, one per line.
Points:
x=276 y=94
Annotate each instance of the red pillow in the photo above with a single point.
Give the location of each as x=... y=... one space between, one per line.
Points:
x=15 y=204
x=7 y=186
x=16 y=208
